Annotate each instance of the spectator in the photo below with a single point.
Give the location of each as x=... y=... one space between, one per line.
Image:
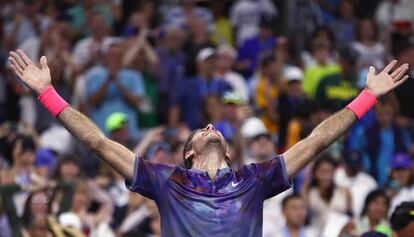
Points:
x=27 y=23
x=380 y=140
x=320 y=63
x=345 y=26
x=266 y=89
x=374 y=213
x=399 y=19
x=141 y=56
x=232 y=116
x=117 y=126
x=403 y=49
x=301 y=20
x=245 y=17
x=198 y=38
x=112 y=88
x=402 y=219
x=328 y=10
x=182 y=15
x=81 y=13
x=171 y=68
x=188 y=102
x=370 y=50
x=352 y=177
x=401 y=180
x=223 y=31
x=337 y=89
x=292 y=103
x=294 y=211
x=255 y=47
x=87 y=52
x=226 y=58
x=323 y=196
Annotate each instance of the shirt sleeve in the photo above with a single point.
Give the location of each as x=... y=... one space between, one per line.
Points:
x=272 y=176
x=149 y=178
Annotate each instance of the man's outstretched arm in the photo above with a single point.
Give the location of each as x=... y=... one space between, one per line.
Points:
x=38 y=79
x=335 y=126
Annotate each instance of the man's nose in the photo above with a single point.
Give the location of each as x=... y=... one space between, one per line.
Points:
x=210 y=127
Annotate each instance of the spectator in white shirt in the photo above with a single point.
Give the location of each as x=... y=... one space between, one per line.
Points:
x=351 y=176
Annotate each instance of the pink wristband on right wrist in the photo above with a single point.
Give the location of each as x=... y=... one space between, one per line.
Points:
x=52 y=101
x=362 y=103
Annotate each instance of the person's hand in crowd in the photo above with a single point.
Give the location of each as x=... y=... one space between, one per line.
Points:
x=244 y=112
x=183 y=132
x=5 y=129
x=38 y=183
x=102 y=181
x=153 y=135
x=349 y=230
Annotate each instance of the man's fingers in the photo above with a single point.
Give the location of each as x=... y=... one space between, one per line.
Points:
x=16 y=66
x=18 y=60
x=401 y=81
x=24 y=57
x=398 y=70
x=388 y=68
x=371 y=71
x=17 y=72
x=401 y=72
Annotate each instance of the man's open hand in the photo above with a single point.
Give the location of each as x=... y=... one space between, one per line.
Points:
x=34 y=77
x=382 y=83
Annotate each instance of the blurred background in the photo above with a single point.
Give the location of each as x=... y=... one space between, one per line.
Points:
x=263 y=72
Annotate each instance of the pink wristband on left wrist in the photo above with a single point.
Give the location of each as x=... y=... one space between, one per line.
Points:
x=52 y=101
x=362 y=103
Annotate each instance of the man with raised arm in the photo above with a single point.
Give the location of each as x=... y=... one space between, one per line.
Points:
x=206 y=198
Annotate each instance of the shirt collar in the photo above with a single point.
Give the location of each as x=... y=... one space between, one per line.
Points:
x=220 y=172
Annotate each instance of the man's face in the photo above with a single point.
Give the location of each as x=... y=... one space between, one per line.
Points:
x=206 y=137
x=113 y=56
x=295 y=212
x=408 y=231
x=225 y=60
x=174 y=39
x=207 y=67
x=262 y=148
x=98 y=25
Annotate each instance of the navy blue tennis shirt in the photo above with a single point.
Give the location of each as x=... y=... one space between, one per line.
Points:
x=191 y=204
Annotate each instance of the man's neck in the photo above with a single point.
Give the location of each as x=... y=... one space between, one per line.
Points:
x=293 y=230
x=210 y=161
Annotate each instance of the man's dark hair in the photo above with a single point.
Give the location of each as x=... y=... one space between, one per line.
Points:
x=290 y=197
x=402 y=216
x=187 y=147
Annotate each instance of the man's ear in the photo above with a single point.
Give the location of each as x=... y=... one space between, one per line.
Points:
x=189 y=155
x=227 y=157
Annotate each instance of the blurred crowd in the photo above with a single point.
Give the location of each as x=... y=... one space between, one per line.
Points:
x=263 y=72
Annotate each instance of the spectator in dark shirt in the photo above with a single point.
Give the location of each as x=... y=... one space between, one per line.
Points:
x=190 y=95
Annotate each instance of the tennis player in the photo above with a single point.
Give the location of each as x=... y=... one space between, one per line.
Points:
x=206 y=197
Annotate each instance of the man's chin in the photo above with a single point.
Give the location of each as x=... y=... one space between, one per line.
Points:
x=213 y=140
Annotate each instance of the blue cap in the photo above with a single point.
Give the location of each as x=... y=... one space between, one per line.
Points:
x=352 y=158
x=401 y=161
x=45 y=157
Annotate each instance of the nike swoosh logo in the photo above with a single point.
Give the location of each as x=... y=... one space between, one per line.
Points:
x=234 y=184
